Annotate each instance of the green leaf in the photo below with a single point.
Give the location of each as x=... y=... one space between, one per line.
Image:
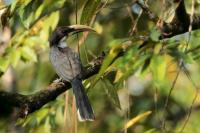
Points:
x=35 y=118
x=136 y=119
x=153 y=130
x=15 y=57
x=34 y=41
x=47 y=126
x=39 y=11
x=188 y=58
x=26 y=14
x=146 y=64
x=13 y=6
x=158 y=67
x=111 y=92
x=115 y=50
x=132 y=65
x=29 y=18
x=50 y=23
x=155 y=34
x=81 y=3
x=28 y=54
x=25 y=121
x=41 y=114
x=181 y=55
x=4 y=63
x=89 y=11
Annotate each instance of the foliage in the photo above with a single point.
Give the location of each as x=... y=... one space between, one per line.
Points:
x=135 y=77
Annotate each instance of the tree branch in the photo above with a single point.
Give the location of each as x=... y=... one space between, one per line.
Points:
x=181 y=22
x=30 y=103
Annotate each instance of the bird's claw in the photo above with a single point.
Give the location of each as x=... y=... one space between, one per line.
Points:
x=58 y=80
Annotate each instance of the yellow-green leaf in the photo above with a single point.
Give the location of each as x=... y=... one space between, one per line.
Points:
x=28 y=54
x=89 y=10
x=116 y=47
x=4 y=63
x=107 y=61
x=136 y=119
x=150 y=131
x=15 y=57
x=158 y=67
x=111 y=92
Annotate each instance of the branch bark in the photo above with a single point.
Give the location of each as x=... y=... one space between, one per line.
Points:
x=30 y=103
x=181 y=22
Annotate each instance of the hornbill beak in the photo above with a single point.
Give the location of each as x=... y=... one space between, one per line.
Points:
x=81 y=28
x=74 y=29
x=62 y=31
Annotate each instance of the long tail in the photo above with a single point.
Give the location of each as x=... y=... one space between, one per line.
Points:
x=83 y=106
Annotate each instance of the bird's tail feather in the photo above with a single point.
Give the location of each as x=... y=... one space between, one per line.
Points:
x=85 y=111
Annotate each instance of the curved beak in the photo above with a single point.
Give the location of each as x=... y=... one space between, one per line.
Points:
x=74 y=29
x=62 y=31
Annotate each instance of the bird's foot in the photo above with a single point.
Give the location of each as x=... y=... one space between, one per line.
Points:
x=58 y=80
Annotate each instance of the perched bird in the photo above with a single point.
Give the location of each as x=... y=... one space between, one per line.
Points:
x=67 y=65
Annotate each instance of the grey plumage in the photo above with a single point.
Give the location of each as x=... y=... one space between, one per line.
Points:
x=66 y=62
x=85 y=110
x=67 y=65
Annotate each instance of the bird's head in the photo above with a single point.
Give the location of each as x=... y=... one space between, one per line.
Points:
x=65 y=31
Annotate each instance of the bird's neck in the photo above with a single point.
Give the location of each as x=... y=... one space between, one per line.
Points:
x=62 y=44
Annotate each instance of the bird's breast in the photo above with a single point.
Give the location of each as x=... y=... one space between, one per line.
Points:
x=65 y=62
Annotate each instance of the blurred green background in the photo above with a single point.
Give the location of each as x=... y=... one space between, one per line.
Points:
x=129 y=92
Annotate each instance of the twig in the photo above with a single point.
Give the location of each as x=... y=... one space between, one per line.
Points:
x=169 y=94
x=147 y=10
x=193 y=101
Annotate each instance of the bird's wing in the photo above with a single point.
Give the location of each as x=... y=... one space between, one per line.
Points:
x=66 y=62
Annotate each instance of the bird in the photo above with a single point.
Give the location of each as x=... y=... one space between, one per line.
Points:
x=68 y=67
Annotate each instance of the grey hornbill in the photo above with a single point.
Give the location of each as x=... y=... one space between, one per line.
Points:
x=67 y=65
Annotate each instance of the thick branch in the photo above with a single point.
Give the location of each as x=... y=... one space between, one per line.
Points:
x=180 y=23
x=30 y=103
